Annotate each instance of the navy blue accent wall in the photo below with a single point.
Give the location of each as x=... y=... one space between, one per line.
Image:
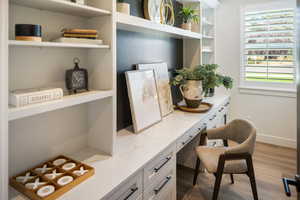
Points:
x=134 y=48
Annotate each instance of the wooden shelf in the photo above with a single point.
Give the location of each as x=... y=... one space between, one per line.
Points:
x=57 y=44
x=137 y=24
x=63 y=6
x=66 y=101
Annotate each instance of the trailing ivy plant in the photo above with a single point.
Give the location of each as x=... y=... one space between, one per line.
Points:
x=188 y=15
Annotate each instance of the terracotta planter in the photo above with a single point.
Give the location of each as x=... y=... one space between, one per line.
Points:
x=123 y=8
x=187 y=26
x=192 y=93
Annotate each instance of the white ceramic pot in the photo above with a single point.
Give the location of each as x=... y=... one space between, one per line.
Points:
x=192 y=89
x=192 y=93
x=123 y=8
x=187 y=26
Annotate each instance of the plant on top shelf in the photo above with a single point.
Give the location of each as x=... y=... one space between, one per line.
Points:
x=123 y=7
x=193 y=82
x=188 y=16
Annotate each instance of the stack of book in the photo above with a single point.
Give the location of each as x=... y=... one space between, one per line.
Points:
x=89 y=36
x=80 y=33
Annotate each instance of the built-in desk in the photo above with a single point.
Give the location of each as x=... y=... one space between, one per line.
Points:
x=128 y=172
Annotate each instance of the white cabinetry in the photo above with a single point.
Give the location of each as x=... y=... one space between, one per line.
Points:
x=164 y=188
x=208 y=30
x=75 y=124
x=202 y=51
x=131 y=190
x=156 y=181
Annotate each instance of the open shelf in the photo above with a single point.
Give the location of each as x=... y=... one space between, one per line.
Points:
x=63 y=6
x=57 y=44
x=205 y=22
x=137 y=24
x=89 y=155
x=207 y=51
x=211 y=3
x=67 y=101
x=207 y=37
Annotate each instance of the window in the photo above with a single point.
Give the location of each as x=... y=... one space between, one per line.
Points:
x=268 y=43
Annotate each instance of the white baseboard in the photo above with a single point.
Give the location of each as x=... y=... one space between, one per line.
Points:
x=280 y=141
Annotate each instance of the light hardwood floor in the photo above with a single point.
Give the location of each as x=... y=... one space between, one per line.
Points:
x=271 y=163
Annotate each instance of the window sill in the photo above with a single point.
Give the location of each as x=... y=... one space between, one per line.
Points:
x=281 y=92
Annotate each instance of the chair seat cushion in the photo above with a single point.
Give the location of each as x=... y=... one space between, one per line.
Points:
x=209 y=157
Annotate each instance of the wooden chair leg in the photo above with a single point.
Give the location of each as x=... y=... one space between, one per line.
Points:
x=231 y=177
x=218 y=175
x=217 y=185
x=202 y=141
x=196 y=172
x=251 y=175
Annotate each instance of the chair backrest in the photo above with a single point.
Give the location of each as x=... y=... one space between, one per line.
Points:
x=242 y=132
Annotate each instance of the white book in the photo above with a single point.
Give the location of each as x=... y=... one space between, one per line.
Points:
x=78 y=40
x=25 y=97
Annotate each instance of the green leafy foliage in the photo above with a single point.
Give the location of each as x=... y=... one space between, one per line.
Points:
x=189 y=15
x=205 y=73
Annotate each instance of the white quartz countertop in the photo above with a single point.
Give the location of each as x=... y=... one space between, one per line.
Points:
x=133 y=152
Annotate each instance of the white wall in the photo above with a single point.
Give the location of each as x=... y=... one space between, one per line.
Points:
x=274 y=116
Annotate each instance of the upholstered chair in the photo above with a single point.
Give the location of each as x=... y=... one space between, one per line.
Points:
x=236 y=159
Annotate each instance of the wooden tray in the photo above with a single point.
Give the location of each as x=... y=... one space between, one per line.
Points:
x=43 y=176
x=204 y=107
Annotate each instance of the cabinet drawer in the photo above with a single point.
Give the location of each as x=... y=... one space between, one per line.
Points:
x=163 y=189
x=223 y=109
x=162 y=163
x=185 y=139
x=130 y=190
x=189 y=135
x=212 y=120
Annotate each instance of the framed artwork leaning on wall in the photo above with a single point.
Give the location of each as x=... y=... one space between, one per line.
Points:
x=143 y=98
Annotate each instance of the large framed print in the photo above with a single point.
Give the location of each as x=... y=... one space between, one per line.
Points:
x=162 y=84
x=143 y=98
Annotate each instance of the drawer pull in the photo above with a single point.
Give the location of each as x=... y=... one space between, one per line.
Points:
x=227 y=104
x=156 y=169
x=213 y=117
x=132 y=191
x=157 y=190
x=221 y=109
x=185 y=142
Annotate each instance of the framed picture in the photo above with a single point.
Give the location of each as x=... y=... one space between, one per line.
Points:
x=163 y=86
x=143 y=99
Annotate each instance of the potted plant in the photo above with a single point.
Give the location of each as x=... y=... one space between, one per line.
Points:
x=212 y=79
x=188 y=16
x=193 y=82
x=123 y=7
x=189 y=81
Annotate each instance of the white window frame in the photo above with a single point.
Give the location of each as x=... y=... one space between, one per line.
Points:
x=282 y=89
